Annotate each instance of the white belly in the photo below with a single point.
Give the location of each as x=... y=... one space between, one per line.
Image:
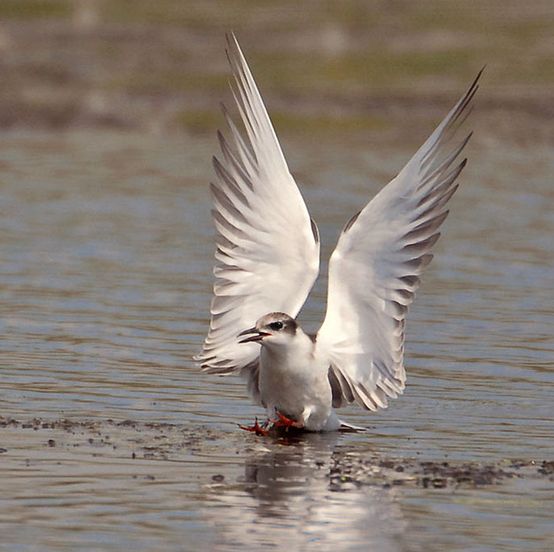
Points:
x=299 y=390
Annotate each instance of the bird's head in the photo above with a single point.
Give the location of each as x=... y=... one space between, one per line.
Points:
x=275 y=328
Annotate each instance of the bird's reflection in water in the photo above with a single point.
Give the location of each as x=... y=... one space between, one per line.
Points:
x=295 y=496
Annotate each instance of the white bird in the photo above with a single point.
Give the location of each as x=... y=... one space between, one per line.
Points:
x=267 y=260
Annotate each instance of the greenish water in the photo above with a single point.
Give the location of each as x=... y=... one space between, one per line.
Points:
x=105 y=279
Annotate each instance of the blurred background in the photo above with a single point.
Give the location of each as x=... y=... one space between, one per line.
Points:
x=323 y=66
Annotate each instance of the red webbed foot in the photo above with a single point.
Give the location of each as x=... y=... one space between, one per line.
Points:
x=285 y=421
x=257 y=428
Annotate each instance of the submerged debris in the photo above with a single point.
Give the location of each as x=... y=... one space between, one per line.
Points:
x=427 y=474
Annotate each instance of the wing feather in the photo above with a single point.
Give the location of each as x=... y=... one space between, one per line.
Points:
x=267 y=247
x=375 y=269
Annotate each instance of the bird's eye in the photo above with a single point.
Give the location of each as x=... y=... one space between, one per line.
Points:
x=276 y=326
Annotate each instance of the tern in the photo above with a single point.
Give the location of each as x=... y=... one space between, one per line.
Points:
x=267 y=260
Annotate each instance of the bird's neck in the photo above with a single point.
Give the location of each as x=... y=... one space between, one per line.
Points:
x=299 y=348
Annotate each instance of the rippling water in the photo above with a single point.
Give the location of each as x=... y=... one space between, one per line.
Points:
x=105 y=277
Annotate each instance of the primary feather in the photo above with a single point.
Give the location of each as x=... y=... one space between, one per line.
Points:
x=267 y=255
x=376 y=268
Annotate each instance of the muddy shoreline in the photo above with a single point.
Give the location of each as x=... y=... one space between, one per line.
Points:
x=347 y=467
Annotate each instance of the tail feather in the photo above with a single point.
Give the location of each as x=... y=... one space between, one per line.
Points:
x=350 y=428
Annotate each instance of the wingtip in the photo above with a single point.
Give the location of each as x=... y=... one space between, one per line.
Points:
x=225 y=110
x=233 y=49
x=475 y=84
x=216 y=163
x=230 y=38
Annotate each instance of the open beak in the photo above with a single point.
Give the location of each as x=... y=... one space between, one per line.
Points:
x=255 y=335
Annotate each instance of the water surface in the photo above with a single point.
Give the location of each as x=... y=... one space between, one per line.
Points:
x=105 y=278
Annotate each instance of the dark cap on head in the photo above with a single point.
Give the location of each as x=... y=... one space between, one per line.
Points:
x=277 y=322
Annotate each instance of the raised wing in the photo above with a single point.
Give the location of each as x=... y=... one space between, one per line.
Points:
x=375 y=269
x=267 y=256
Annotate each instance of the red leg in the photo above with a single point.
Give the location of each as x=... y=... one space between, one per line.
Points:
x=256 y=428
x=285 y=421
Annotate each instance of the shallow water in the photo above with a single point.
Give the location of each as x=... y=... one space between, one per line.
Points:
x=105 y=278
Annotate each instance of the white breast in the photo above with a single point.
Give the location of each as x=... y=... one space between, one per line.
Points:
x=296 y=383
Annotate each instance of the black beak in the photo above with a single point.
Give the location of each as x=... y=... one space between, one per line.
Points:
x=255 y=335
